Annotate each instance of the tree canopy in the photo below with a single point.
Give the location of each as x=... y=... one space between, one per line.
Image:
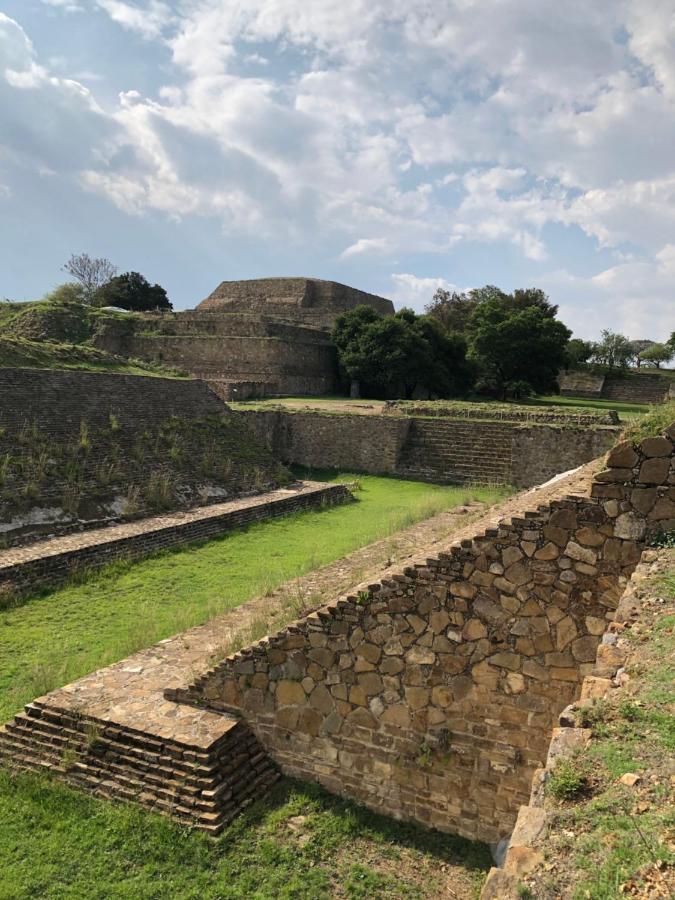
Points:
x=401 y=353
x=91 y=273
x=517 y=343
x=657 y=354
x=134 y=292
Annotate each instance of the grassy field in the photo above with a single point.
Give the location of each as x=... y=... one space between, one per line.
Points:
x=298 y=843
x=66 y=633
x=625 y=410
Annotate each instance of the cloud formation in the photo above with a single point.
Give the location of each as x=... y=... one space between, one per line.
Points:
x=389 y=129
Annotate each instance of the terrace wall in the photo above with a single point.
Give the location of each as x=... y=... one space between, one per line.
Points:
x=430 y=694
x=431 y=449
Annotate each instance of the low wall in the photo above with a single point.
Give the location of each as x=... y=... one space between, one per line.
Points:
x=430 y=694
x=437 y=450
x=54 y=561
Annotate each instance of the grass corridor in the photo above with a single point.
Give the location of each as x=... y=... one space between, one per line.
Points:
x=73 y=630
x=298 y=843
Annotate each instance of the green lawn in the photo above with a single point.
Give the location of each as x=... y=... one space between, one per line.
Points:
x=71 y=631
x=298 y=843
x=625 y=410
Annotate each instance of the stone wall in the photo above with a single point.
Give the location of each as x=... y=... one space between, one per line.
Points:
x=78 y=448
x=430 y=693
x=628 y=387
x=25 y=569
x=437 y=450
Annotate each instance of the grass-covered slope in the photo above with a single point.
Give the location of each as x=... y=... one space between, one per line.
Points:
x=612 y=806
x=50 y=334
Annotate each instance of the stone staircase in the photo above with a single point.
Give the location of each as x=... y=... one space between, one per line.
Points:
x=457 y=452
x=201 y=786
x=636 y=388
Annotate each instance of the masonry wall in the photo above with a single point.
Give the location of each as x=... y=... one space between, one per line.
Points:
x=78 y=448
x=438 y=450
x=430 y=693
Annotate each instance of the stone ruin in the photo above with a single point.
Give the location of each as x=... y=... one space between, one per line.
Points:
x=428 y=694
x=268 y=336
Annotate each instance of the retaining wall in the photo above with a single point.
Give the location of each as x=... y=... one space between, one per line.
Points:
x=432 y=449
x=430 y=694
x=79 y=449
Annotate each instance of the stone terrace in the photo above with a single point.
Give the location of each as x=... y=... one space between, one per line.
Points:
x=115 y=732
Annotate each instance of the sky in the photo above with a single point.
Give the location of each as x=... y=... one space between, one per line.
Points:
x=393 y=145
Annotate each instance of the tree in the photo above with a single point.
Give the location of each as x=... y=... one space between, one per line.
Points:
x=637 y=347
x=91 y=273
x=579 y=352
x=132 y=291
x=520 y=347
x=657 y=354
x=69 y=292
x=451 y=310
x=614 y=350
x=400 y=353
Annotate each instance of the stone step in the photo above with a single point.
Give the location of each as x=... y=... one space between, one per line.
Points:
x=204 y=787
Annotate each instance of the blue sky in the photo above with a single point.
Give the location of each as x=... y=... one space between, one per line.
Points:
x=395 y=145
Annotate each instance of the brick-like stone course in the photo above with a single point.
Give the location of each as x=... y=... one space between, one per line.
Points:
x=23 y=569
x=430 y=693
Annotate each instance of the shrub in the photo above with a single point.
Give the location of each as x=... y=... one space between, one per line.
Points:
x=567 y=780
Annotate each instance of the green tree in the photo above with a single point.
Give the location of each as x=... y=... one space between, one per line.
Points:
x=132 y=291
x=578 y=352
x=614 y=350
x=637 y=348
x=400 y=353
x=451 y=310
x=657 y=354
x=69 y=292
x=517 y=347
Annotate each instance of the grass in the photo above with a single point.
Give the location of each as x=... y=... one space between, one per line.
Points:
x=657 y=419
x=71 y=631
x=298 y=843
x=573 y=405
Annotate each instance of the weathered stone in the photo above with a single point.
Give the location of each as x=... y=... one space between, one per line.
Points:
x=322 y=699
x=396 y=715
x=589 y=537
x=558 y=536
x=290 y=693
x=534 y=670
x=511 y=555
x=643 y=499
x=622 y=456
x=489 y=611
x=439 y=620
x=420 y=656
x=371 y=683
x=563 y=518
x=663 y=509
x=518 y=574
x=463 y=589
x=654 y=471
x=505 y=660
x=514 y=683
x=548 y=551
x=656 y=446
x=583 y=554
x=585 y=648
x=614 y=476
x=630 y=527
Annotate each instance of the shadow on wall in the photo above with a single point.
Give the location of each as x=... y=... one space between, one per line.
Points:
x=430 y=695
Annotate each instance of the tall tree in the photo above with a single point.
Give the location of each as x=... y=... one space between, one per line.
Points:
x=90 y=272
x=517 y=347
x=451 y=310
x=657 y=354
x=637 y=348
x=614 y=350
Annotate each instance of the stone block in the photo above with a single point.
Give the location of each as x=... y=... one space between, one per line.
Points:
x=654 y=471
x=630 y=527
x=622 y=456
x=656 y=446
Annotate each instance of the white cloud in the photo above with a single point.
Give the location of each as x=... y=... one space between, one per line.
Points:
x=366 y=246
x=67 y=5
x=413 y=291
x=381 y=126
x=148 y=20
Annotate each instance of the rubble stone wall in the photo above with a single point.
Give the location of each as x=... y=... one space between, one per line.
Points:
x=430 y=694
